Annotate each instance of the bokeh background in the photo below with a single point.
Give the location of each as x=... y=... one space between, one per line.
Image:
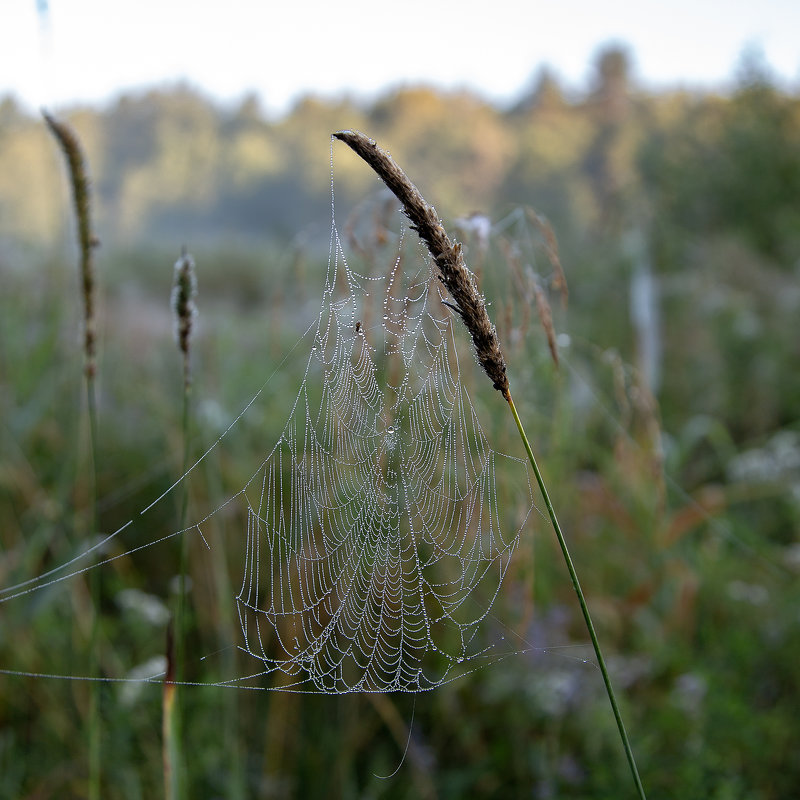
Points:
x=663 y=149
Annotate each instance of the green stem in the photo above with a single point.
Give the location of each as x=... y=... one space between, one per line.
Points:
x=95 y=591
x=181 y=615
x=175 y=775
x=584 y=608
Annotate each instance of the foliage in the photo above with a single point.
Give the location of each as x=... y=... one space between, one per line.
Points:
x=169 y=164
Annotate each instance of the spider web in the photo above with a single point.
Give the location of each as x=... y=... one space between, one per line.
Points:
x=374 y=541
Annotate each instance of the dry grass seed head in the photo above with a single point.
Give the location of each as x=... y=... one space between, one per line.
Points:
x=447 y=255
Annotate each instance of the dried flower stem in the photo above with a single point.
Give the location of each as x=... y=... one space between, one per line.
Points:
x=472 y=309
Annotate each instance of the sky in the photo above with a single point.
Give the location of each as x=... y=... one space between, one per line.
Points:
x=56 y=53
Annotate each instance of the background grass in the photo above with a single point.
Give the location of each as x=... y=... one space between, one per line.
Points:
x=692 y=590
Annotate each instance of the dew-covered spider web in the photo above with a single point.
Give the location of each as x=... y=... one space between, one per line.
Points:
x=376 y=541
x=375 y=547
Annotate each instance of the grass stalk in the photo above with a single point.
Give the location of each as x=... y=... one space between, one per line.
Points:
x=581 y=599
x=169 y=723
x=471 y=307
x=76 y=164
x=184 y=291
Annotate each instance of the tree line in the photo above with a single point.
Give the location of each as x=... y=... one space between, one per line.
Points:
x=170 y=164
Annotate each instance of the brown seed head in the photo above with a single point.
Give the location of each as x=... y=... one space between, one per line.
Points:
x=453 y=272
x=71 y=147
x=184 y=309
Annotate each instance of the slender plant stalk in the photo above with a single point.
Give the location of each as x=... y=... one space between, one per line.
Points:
x=471 y=307
x=95 y=588
x=184 y=291
x=76 y=164
x=584 y=608
x=169 y=733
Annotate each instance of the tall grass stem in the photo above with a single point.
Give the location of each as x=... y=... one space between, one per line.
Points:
x=184 y=291
x=581 y=600
x=76 y=164
x=95 y=588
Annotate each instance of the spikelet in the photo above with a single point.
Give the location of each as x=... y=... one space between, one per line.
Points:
x=184 y=309
x=71 y=147
x=453 y=272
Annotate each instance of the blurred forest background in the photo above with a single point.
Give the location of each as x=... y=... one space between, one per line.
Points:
x=670 y=434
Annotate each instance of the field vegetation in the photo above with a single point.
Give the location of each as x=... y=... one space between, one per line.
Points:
x=669 y=435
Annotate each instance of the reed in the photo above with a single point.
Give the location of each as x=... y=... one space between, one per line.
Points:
x=471 y=307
